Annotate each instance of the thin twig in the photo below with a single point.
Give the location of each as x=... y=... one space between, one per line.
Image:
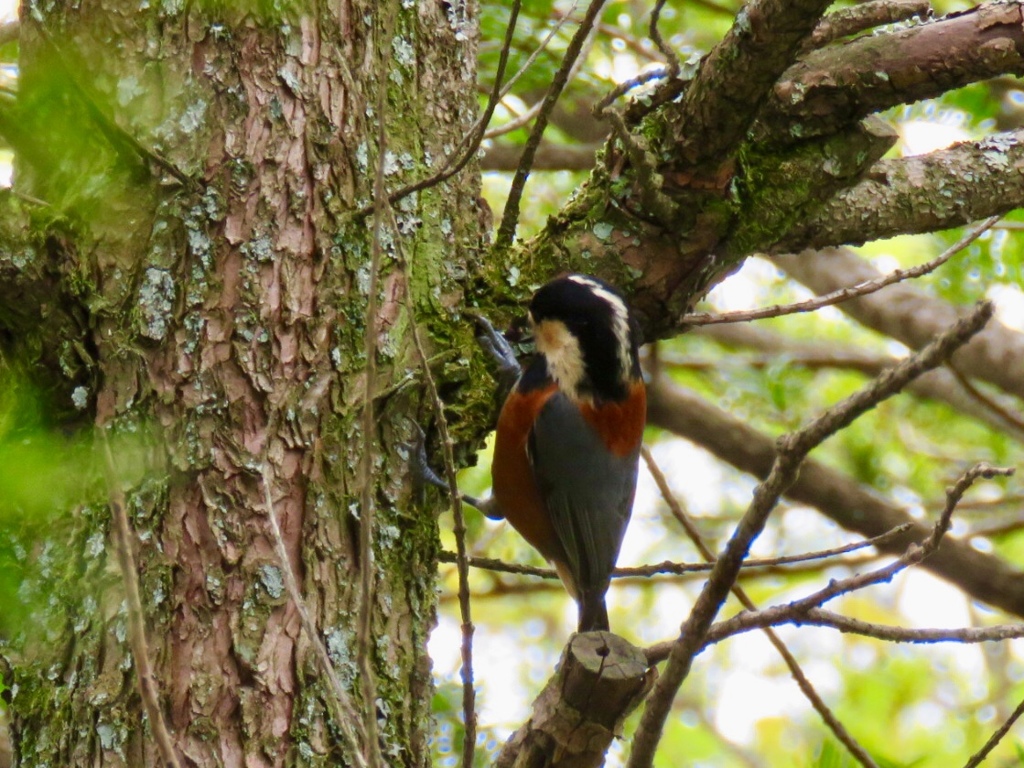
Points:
x=507 y=87
x=914 y=554
x=510 y=217
x=663 y=47
x=149 y=688
x=978 y=757
x=515 y=123
x=987 y=402
x=346 y=717
x=681 y=569
x=461 y=558
x=807 y=610
x=790 y=452
x=827 y=715
x=625 y=87
x=844 y=294
x=819 y=617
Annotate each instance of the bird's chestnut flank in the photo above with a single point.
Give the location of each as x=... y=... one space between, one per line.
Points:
x=567 y=447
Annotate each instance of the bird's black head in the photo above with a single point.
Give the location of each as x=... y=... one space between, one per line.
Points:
x=587 y=337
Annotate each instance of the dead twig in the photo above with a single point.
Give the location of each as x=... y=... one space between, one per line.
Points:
x=346 y=717
x=123 y=537
x=806 y=687
x=790 y=452
x=844 y=294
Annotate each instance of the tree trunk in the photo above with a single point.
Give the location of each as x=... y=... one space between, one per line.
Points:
x=208 y=161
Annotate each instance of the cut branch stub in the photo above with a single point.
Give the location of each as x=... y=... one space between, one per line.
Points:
x=600 y=680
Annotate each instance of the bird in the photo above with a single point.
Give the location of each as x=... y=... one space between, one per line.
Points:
x=567 y=444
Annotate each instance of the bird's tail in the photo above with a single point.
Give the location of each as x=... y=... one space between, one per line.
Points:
x=593 y=612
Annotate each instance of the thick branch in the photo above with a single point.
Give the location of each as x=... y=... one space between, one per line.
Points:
x=736 y=77
x=905 y=312
x=839 y=84
x=943 y=189
x=600 y=680
x=837 y=496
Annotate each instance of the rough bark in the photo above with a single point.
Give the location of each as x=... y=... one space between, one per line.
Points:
x=601 y=679
x=912 y=195
x=225 y=283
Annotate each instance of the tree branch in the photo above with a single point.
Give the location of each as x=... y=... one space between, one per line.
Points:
x=803 y=683
x=837 y=496
x=807 y=610
x=819 y=617
x=839 y=84
x=940 y=190
x=942 y=384
x=736 y=78
x=860 y=18
x=908 y=314
x=791 y=450
x=600 y=680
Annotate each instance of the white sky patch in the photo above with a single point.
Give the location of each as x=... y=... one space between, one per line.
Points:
x=1009 y=301
x=8 y=10
x=920 y=137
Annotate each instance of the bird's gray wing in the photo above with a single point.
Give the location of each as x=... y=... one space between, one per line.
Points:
x=588 y=490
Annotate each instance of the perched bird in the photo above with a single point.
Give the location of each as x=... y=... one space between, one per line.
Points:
x=568 y=439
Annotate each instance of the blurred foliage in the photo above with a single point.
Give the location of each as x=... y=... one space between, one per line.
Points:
x=909 y=706
x=45 y=475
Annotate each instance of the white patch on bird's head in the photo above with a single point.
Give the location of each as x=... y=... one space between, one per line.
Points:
x=620 y=318
x=561 y=350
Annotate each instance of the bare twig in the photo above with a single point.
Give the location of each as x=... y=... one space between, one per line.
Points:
x=149 y=689
x=510 y=217
x=515 y=123
x=989 y=403
x=859 y=18
x=845 y=294
x=346 y=718
x=831 y=721
x=914 y=554
x=679 y=569
x=535 y=108
x=663 y=47
x=790 y=452
x=978 y=757
x=807 y=609
x=461 y=558
x=819 y=617
x=626 y=86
